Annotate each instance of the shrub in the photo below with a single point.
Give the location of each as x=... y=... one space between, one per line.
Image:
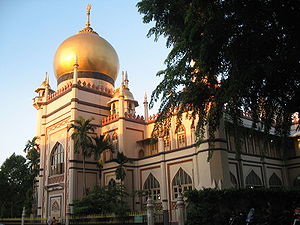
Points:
x=215 y=207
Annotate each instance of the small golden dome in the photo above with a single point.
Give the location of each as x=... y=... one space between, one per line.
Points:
x=93 y=53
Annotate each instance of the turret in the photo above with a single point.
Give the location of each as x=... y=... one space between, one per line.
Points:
x=123 y=101
x=146 y=113
x=42 y=92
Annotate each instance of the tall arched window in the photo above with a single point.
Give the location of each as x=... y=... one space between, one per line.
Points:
x=181 y=183
x=152 y=185
x=253 y=181
x=167 y=141
x=57 y=160
x=115 y=142
x=112 y=182
x=141 y=153
x=181 y=137
x=153 y=143
x=297 y=181
x=233 y=180
x=275 y=181
x=113 y=109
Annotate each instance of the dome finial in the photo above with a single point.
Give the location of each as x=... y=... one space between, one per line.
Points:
x=87 y=28
x=88 y=12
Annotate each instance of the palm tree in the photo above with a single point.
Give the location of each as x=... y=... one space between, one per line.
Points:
x=121 y=159
x=98 y=146
x=82 y=141
x=33 y=155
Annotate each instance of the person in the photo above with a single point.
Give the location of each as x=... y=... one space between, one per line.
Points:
x=297 y=216
x=49 y=221
x=250 y=216
x=54 y=221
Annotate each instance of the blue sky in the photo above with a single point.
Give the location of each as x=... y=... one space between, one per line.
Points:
x=32 y=30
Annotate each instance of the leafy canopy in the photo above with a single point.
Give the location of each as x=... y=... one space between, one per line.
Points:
x=121 y=159
x=233 y=56
x=103 y=200
x=15 y=185
x=32 y=154
x=83 y=141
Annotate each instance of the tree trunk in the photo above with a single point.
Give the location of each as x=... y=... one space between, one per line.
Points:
x=84 y=178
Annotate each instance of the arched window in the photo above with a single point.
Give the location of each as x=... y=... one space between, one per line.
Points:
x=55 y=206
x=297 y=181
x=130 y=108
x=233 y=180
x=141 y=153
x=181 y=137
x=152 y=185
x=167 y=141
x=115 y=142
x=275 y=181
x=107 y=154
x=153 y=143
x=57 y=160
x=253 y=181
x=112 y=182
x=113 y=109
x=181 y=183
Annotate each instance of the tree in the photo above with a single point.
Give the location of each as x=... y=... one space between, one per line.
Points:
x=15 y=177
x=121 y=159
x=103 y=200
x=32 y=154
x=228 y=56
x=82 y=141
x=98 y=146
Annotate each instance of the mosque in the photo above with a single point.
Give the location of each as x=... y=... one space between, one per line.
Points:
x=86 y=67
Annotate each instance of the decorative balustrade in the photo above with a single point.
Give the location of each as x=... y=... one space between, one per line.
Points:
x=134 y=117
x=96 y=87
x=38 y=99
x=109 y=119
x=68 y=86
x=153 y=118
x=60 y=91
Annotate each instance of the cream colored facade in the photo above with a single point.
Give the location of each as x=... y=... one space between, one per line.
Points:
x=165 y=167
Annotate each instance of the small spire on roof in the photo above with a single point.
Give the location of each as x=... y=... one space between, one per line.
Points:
x=126 y=80
x=46 y=78
x=88 y=12
x=76 y=61
x=122 y=82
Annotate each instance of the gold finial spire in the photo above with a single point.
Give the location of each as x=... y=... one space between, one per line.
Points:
x=88 y=12
x=87 y=28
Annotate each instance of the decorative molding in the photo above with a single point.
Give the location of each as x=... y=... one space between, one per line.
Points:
x=64 y=123
x=56 y=179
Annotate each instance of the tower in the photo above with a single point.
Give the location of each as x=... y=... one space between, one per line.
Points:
x=85 y=66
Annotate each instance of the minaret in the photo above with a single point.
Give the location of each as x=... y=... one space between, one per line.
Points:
x=126 y=81
x=72 y=156
x=145 y=107
x=75 y=72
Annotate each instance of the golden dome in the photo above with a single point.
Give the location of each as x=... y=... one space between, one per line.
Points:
x=94 y=54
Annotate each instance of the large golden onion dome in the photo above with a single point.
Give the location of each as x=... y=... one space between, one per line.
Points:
x=94 y=54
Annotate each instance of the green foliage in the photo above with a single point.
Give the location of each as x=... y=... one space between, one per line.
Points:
x=103 y=200
x=245 y=59
x=214 y=207
x=121 y=159
x=16 y=183
x=83 y=141
x=80 y=135
x=99 y=145
x=32 y=154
